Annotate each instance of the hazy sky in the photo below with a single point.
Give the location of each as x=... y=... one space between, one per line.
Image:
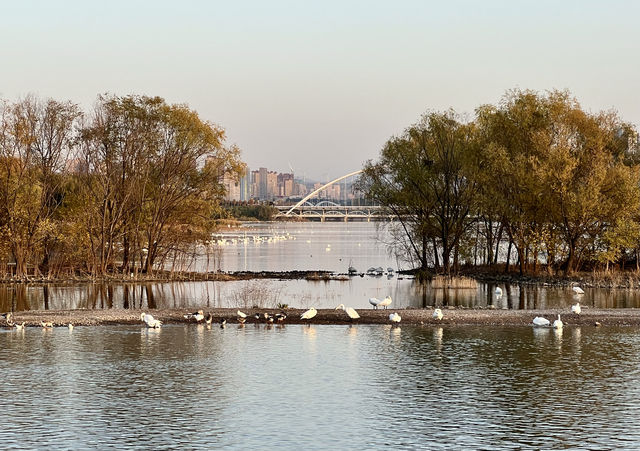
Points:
x=321 y=85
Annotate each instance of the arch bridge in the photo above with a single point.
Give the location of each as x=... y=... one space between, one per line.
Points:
x=330 y=211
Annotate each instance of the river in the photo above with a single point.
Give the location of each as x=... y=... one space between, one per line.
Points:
x=330 y=246
x=320 y=387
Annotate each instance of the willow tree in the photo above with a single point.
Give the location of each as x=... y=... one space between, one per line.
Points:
x=35 y=140
x=559 y=174
x=425 y=177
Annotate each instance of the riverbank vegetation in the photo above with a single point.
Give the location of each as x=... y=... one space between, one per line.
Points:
x=535 y=176
x=129 y=187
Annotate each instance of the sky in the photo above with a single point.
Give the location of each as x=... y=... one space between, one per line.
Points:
x=321 y=86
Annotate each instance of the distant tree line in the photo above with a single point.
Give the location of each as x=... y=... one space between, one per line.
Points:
x=535 y=176
x=130 y=186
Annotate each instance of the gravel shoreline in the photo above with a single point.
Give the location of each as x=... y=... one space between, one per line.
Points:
x=458 y=317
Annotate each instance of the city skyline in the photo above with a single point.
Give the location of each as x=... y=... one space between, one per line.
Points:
x=321 y=86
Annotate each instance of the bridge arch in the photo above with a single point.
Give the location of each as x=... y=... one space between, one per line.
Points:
x=313 y=193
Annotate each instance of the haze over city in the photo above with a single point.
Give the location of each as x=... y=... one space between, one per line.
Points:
x=319 y=87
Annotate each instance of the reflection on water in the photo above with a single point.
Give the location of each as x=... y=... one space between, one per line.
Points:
x=354 y=292
x=321 y=387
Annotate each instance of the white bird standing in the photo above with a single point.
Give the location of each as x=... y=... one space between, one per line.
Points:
x=385 y=302
x=351 y=312
x=540 y=321
x=70 y=326
x=577 y=290
x=309 y=313
x=150 y=321
x=498 y=291
x=240 y=314
x=557 y=324
x=395 y=318
x=576 y=308
x=437 y=314
x=374 y=302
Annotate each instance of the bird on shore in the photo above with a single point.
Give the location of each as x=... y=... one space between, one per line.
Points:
x=385 y=302
x=281 y=317
x=70 y=326
x=223 y=323
x=208 y=319
x=240 y=314
x=257 y=316
x=309 y=314
x=395 y=318
x=540 y=321
x=374 y=302
x=576 y=308
x=150 y=321
x=577 y=290
x=46 y=324
x=437 y=314
x=198 y=316
x=351 y=312
x=557 y=324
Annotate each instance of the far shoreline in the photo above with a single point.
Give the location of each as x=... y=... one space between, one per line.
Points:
x=612 y=280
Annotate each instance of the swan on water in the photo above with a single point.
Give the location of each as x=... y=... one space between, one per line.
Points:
x=309 y=313
x=540 y=321
x=46 y=324
x=208 y=319
x=395 y=318
x=351 y=312
x=374 y=302
x=20 y=326
x=385 y=302
x=70 y=326
x=576 y=308
x=150 y=321
x=577 y=290
x=557 y=324
x=437 y=314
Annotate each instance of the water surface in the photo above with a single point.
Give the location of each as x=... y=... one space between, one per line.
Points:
x=320 y=387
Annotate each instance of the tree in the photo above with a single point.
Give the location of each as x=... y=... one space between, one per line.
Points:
x=35 y=138
x=426 y=178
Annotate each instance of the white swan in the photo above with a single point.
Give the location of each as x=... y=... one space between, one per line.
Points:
x=576 y=308
x=350 y=311
x=375 y=302
x=309 y=313
x=498 y=291
x=557 y=324
x=577 y=290
x=395 y=318
x=150 y=321
x=540 y=321
x=437 y=314
x=20 y=326
x=385 y=302
x=241 y=314
x=46 y=324
x=70 y=326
